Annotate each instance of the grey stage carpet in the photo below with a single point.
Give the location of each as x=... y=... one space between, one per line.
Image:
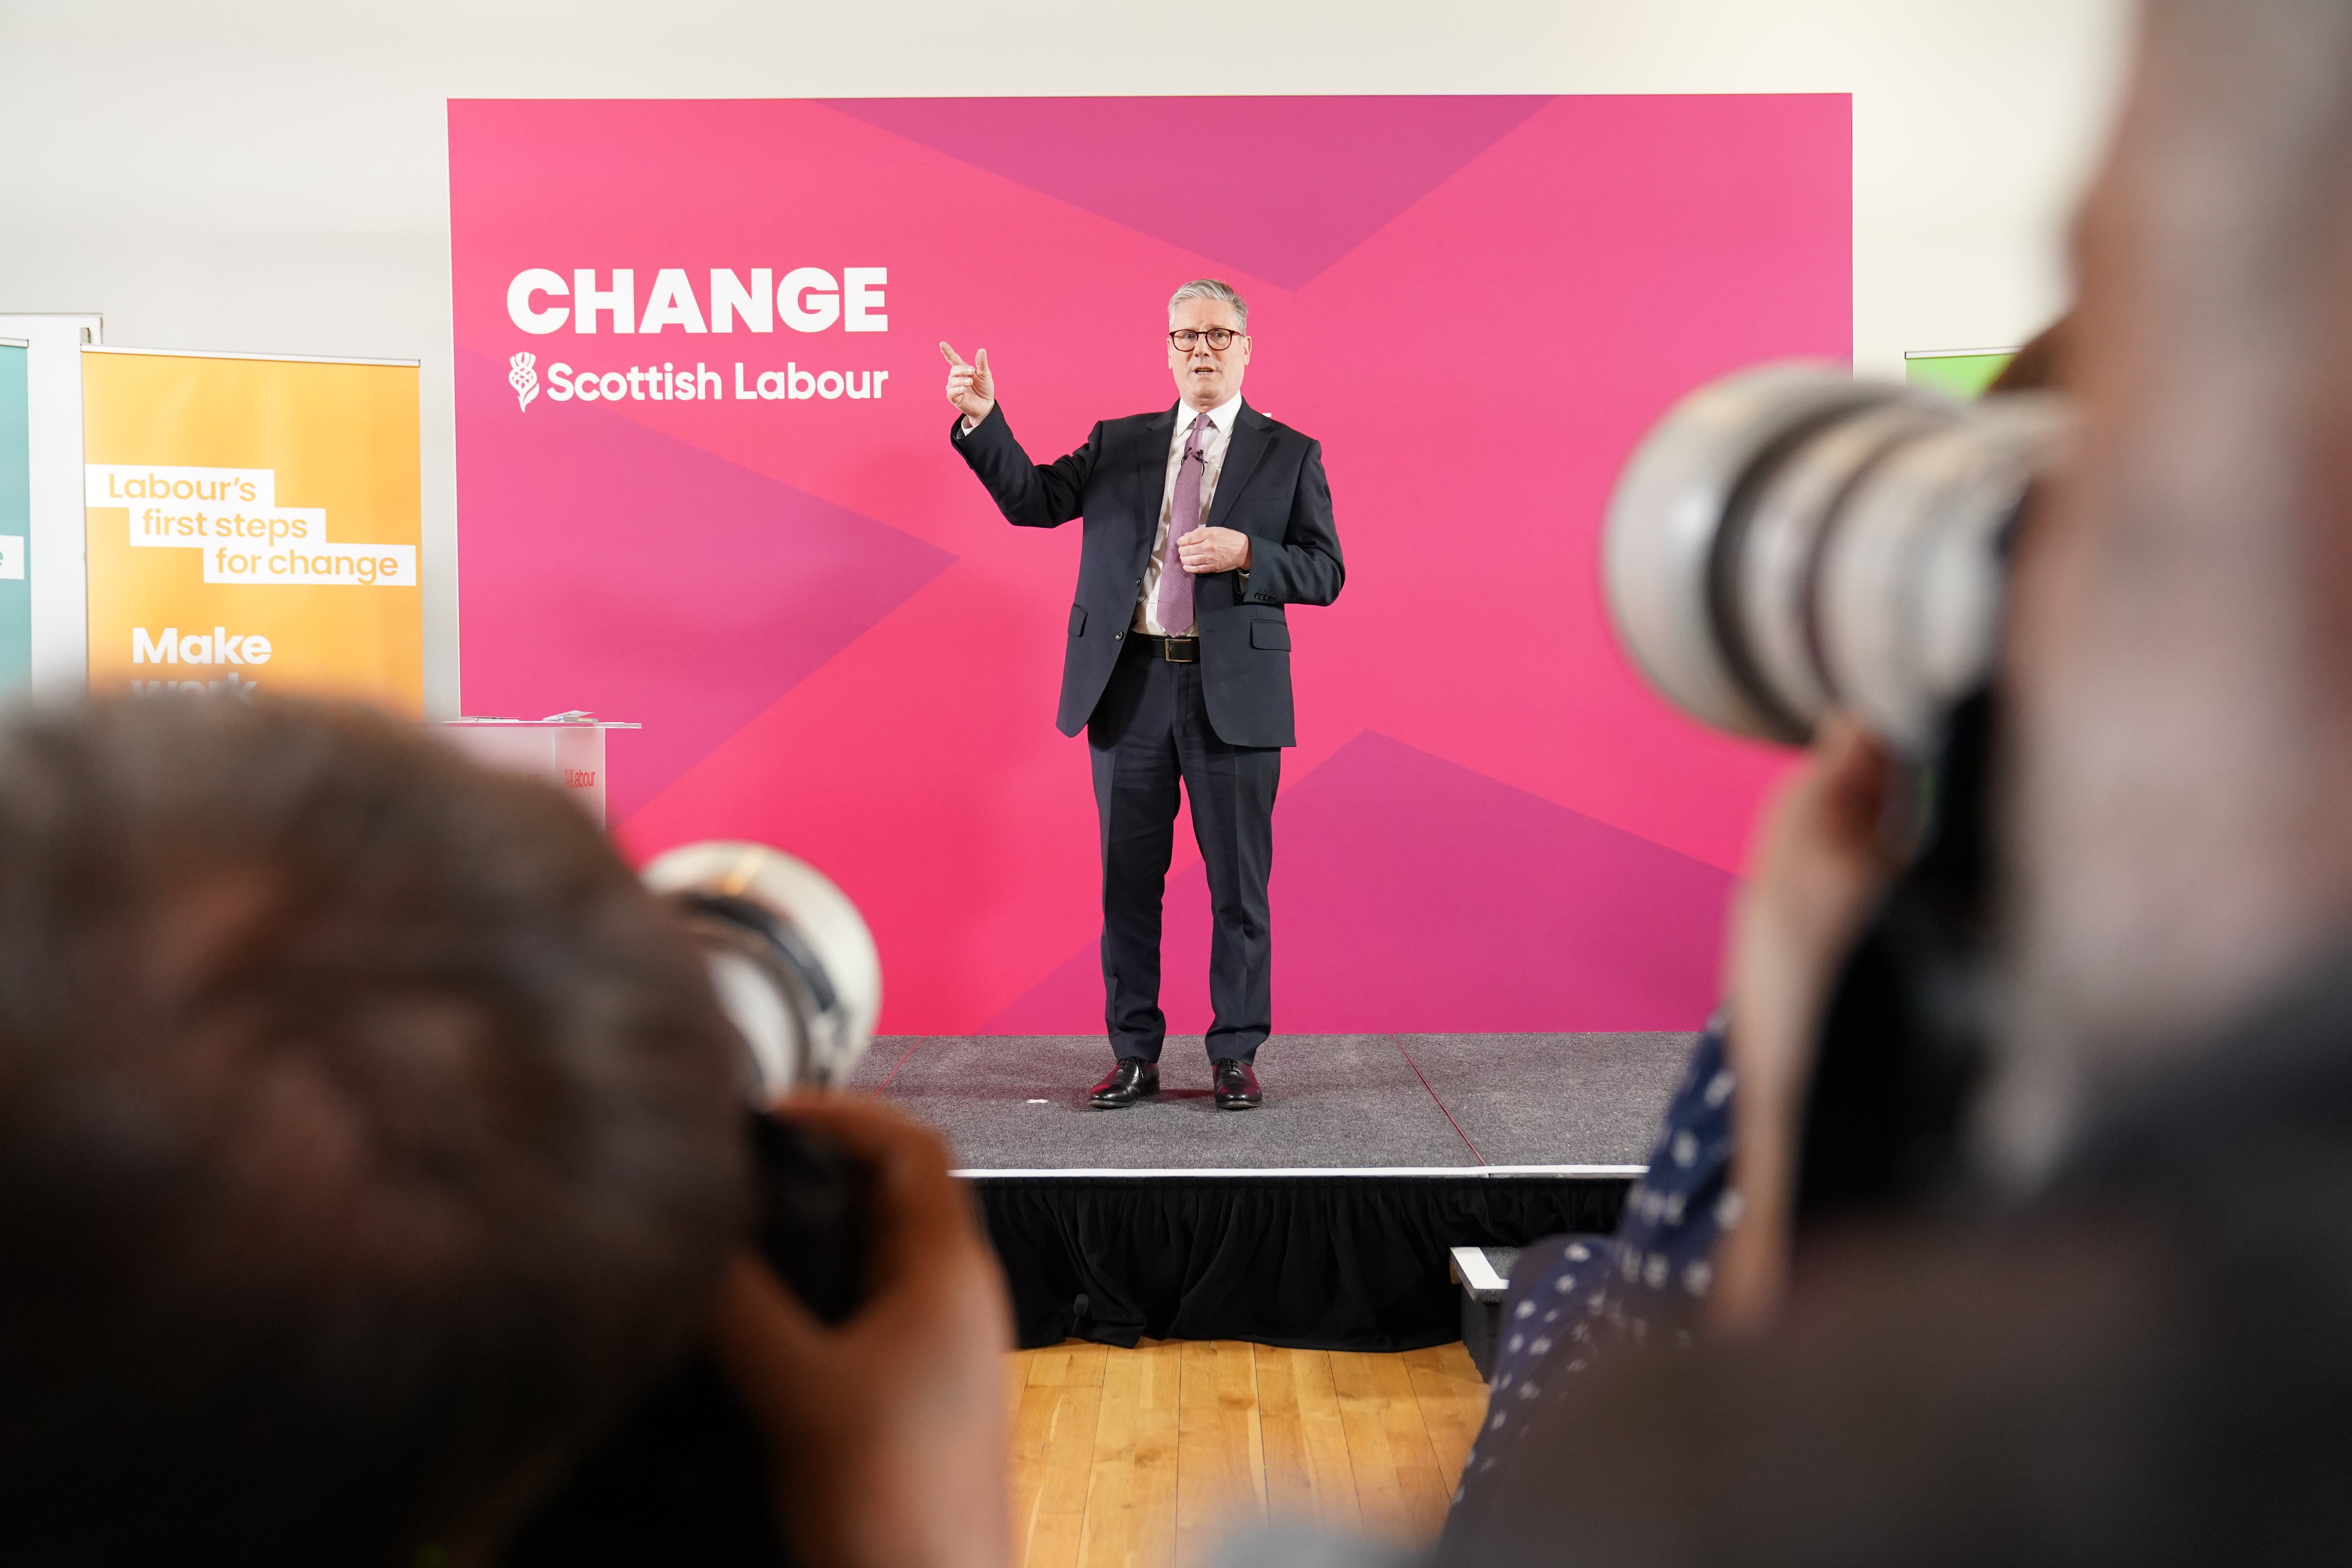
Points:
x=1332 y=1101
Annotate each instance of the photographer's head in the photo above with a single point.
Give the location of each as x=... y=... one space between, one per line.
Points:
x=2183 y=700
x=366 y=1136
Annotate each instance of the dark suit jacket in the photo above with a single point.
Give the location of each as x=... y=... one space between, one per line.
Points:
x=1270 y=488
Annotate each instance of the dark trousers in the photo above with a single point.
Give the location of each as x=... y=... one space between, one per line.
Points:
x=1150 y=732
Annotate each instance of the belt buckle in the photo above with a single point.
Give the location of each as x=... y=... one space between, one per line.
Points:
x=1191 y=654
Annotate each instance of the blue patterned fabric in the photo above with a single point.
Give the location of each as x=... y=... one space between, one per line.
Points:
x=1572 y=1297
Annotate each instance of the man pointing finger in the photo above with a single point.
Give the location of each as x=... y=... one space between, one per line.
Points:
x=970 y=386
x=1201 y=522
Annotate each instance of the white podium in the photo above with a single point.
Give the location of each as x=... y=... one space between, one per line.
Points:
x=565 y=749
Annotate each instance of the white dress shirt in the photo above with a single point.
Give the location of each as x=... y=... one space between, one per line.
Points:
x=1213 y=441
x=1213 y=463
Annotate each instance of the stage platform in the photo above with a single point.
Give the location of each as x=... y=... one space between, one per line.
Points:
x=1322 y=1219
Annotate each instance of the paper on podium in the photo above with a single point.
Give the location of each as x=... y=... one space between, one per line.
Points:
x=565 y=749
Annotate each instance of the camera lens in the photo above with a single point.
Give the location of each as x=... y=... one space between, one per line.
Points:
x=685 y=1477
x=1789 y=540
x=790 y=959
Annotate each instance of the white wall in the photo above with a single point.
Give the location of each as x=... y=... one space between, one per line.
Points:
x=271 y=175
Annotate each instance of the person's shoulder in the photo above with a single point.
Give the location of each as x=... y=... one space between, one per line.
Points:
x=1272 y=426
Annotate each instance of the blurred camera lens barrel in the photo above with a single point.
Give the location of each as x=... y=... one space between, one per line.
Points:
x=790 y=959
x=684 y=1479
x=1789 y=540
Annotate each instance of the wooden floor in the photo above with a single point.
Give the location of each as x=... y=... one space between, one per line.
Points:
x=1145 y=1458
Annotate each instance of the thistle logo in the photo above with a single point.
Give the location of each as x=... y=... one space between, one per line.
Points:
x=522 y=378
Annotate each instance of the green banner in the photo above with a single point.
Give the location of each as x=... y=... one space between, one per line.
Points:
x=1963 y=373
x=16 y=522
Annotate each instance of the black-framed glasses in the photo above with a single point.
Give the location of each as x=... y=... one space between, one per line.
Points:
x=1219 y=339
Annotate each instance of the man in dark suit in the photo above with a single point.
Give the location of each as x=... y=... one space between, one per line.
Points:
x=1201 y=522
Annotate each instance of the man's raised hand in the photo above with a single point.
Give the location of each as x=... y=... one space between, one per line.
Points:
x=970 y=386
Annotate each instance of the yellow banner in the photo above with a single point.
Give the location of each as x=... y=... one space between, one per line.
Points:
x=253 y=524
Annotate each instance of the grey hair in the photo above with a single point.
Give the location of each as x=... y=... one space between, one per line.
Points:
x=1210 y=288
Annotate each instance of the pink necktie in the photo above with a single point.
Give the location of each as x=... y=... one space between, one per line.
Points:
x=1175 y=607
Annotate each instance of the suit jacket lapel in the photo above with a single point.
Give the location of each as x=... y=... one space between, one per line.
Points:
x=1253 y=436
x=1148 y=475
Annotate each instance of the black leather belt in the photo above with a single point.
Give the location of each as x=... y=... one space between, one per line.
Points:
x=1175 y=650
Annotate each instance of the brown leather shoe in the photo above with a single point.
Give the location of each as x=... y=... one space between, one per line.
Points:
x=1236 y=1086
x=1134 y=1078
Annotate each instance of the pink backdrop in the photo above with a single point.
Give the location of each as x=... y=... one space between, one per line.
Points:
x=1476 y=304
